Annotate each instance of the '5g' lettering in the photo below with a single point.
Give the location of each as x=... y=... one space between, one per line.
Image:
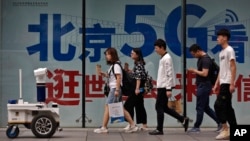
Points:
x=146 y=30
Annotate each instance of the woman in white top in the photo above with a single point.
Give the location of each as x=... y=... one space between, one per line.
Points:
x=114 y=82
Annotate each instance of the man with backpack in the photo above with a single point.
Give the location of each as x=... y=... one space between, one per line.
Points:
x=204 y=87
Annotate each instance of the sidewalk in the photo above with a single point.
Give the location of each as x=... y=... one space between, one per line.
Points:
x=116 y=134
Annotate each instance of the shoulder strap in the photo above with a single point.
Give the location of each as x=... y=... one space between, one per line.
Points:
x=114 y=66
x=213 y=62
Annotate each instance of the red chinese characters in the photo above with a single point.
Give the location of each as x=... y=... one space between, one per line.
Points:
x=62 y=88
x=243 y=94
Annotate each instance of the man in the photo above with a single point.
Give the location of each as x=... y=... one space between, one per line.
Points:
x=225 y=84
x=204 y=87
x=165 y=84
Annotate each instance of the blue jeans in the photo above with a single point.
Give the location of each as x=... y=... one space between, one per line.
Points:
x=112 y=98
x=202 y=103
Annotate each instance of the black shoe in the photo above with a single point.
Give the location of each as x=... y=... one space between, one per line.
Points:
x=156 y=132
x=185 y=124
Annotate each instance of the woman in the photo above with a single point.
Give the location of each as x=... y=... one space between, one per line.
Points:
x=114 y=82
x=136 y=99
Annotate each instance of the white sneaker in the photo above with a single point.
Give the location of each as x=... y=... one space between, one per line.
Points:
x=132 y=129
x=127 y=127
x=101 y=130
x=143 y=128
x=224 y=135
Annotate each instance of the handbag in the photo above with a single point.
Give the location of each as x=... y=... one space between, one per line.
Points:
x=116 y=112
x=106 y=89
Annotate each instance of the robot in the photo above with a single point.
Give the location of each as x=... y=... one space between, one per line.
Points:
x=39 y=117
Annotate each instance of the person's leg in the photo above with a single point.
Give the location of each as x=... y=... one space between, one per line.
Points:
x=173 y=113
x=133 y=127
x=128 y=118
x=168 y=110
x=200 y=105
x=220 y=107
x=161 y=102
x=110 y=99
x=231 y=118
x=130 y=104
x=105 y=116
x=202 y=96
x=211 y=113
x=141 y=115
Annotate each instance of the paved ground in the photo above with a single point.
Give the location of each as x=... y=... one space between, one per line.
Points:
x=116 y=134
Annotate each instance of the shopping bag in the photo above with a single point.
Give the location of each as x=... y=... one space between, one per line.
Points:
x=116 y=112
x=175 y=104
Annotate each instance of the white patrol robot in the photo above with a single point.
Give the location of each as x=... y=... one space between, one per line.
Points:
x=41 y=119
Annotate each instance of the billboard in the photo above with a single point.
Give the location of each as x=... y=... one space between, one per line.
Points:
x=51 y=36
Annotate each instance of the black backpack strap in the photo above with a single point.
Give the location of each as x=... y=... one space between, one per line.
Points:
x=112 y=69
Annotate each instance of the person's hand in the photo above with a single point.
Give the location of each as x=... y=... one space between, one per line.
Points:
x=103 y=74
x=117 y=92
x=191 y=70
x=169 y=94
x=137 y=91
x=232 y=88
x=216 y=89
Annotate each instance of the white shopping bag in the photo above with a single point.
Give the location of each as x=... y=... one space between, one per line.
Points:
x=116 y=112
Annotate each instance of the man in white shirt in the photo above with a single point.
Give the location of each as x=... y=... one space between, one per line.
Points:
x=225 y=84
x=165 y=84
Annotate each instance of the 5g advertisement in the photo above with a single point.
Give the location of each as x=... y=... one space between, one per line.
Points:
x=48 y=33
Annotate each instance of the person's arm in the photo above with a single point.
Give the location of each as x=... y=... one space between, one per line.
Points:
x=138 y=76
x=169 y=74
x=205 y=68
x=217 y=83
x=138 y=83
x=118 y=75
x=203 y=73
x=118 y=81
x=233 y=74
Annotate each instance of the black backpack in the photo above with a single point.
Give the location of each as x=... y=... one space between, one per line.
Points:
x=148 y=83
x=128 y=83
x=213 y=71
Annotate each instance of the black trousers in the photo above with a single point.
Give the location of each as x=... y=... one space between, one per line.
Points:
x=136 y=102
x=161 y=107
x=223 y=106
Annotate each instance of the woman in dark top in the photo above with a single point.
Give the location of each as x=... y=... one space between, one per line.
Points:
x=136 y=99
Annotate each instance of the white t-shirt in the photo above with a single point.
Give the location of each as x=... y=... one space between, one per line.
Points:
x=112 y=79
x=226 y=55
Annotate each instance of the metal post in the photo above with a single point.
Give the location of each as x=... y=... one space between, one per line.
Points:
x=83 y=62
x=20 y=84
x=183 y=42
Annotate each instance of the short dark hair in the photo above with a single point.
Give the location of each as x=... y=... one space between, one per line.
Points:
x=160 y=43
x=224 y=32
x=195 y=48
